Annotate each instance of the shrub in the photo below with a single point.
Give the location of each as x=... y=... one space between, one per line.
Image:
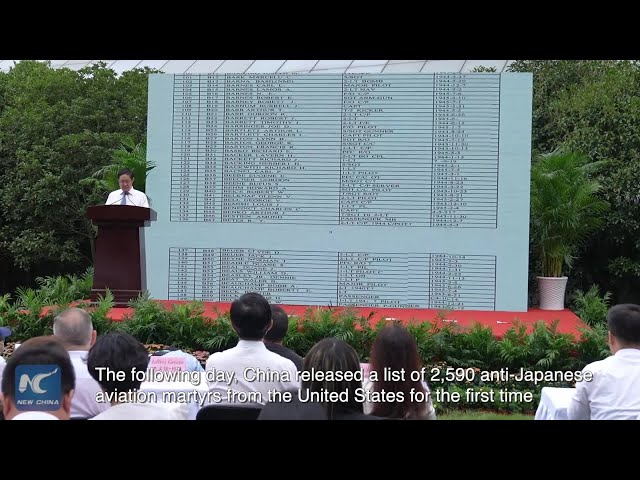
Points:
x=455 y=359
x=591 y=307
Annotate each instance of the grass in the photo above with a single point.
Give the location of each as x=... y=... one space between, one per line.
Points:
x=479 y=415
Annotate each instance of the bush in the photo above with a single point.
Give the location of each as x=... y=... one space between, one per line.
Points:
x=592 y=307
x=455 y=359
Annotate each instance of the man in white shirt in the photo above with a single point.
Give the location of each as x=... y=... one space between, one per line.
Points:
x=73 y=327
x=127 y=195
x=614 y=391
x=45 y=380
x=244 y=375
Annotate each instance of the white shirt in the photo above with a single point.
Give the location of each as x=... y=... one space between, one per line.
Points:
x=247 y=362
x=144 y=411
x=135 y=198
x=35 y=416
x=83 y=403
x=614 y=392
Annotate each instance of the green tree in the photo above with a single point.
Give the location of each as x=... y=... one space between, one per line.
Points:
x=593 y=106
x=57 y=128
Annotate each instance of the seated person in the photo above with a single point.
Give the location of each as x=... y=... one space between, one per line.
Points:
x=243 y=368
x=51 y=380
x=293 y=410
x=112 y=361
x=274 y=337
x=4 y=333
x=192 y=363
x=396 y=350
x=127 y=195
x=328 y=356
x=74 y=328
x=614 y=391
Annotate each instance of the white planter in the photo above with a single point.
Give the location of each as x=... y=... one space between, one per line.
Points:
x=552 y=291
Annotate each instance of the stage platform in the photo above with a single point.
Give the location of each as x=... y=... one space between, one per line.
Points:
x=499 y=322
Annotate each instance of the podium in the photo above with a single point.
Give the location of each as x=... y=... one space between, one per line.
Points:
x=118 y=251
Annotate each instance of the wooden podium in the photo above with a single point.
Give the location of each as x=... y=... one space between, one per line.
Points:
x=118 y=262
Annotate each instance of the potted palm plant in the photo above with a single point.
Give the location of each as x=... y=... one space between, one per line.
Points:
x=565 y=209
x=130 y=155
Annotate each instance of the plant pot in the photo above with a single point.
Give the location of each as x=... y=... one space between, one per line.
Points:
x=552 y=290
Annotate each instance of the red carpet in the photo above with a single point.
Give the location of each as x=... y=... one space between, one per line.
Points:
x=499 y=322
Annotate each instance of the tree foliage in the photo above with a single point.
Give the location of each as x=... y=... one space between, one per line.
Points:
x=57 y=128
x=565 y=209
x=130 y=155
x=593 y=107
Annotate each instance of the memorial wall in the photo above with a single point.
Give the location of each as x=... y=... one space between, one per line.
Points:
x=378 y=190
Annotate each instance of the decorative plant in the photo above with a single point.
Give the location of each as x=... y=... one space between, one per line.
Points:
x=130 y=155
x=565 y=208
x=591 y=306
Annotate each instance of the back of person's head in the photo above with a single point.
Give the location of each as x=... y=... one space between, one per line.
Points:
x=623 y=322
x=280 y=326
x=49 y=356
x=338 y=357
x=74 y=329
x=117 y=352
x=396 y=350
x=251 y=316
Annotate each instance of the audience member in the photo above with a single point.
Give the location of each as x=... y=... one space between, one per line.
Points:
x=293 y=409
x=614 y=391
x=274 y=338
x=191 y=363
x=112 y=361
x=333 y=370
x=74 y=328
x=45 y=380
x=396 y=350
x=4 y=333
x=249 y=369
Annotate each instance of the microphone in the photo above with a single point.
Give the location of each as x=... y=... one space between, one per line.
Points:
x=131 y=200
x=126 y=194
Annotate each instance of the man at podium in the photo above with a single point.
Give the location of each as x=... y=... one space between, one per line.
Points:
x=127 y=195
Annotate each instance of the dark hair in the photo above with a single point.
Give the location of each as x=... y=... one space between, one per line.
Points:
x=280 y=326
x=125 y=171
x=39 y=351
x=293 y=410
x=117 y=352
x=336 y=356
x=250 y=316
x=396 y=350
x=623 y=322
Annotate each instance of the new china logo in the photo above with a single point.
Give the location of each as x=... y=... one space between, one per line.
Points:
x=38 y=387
